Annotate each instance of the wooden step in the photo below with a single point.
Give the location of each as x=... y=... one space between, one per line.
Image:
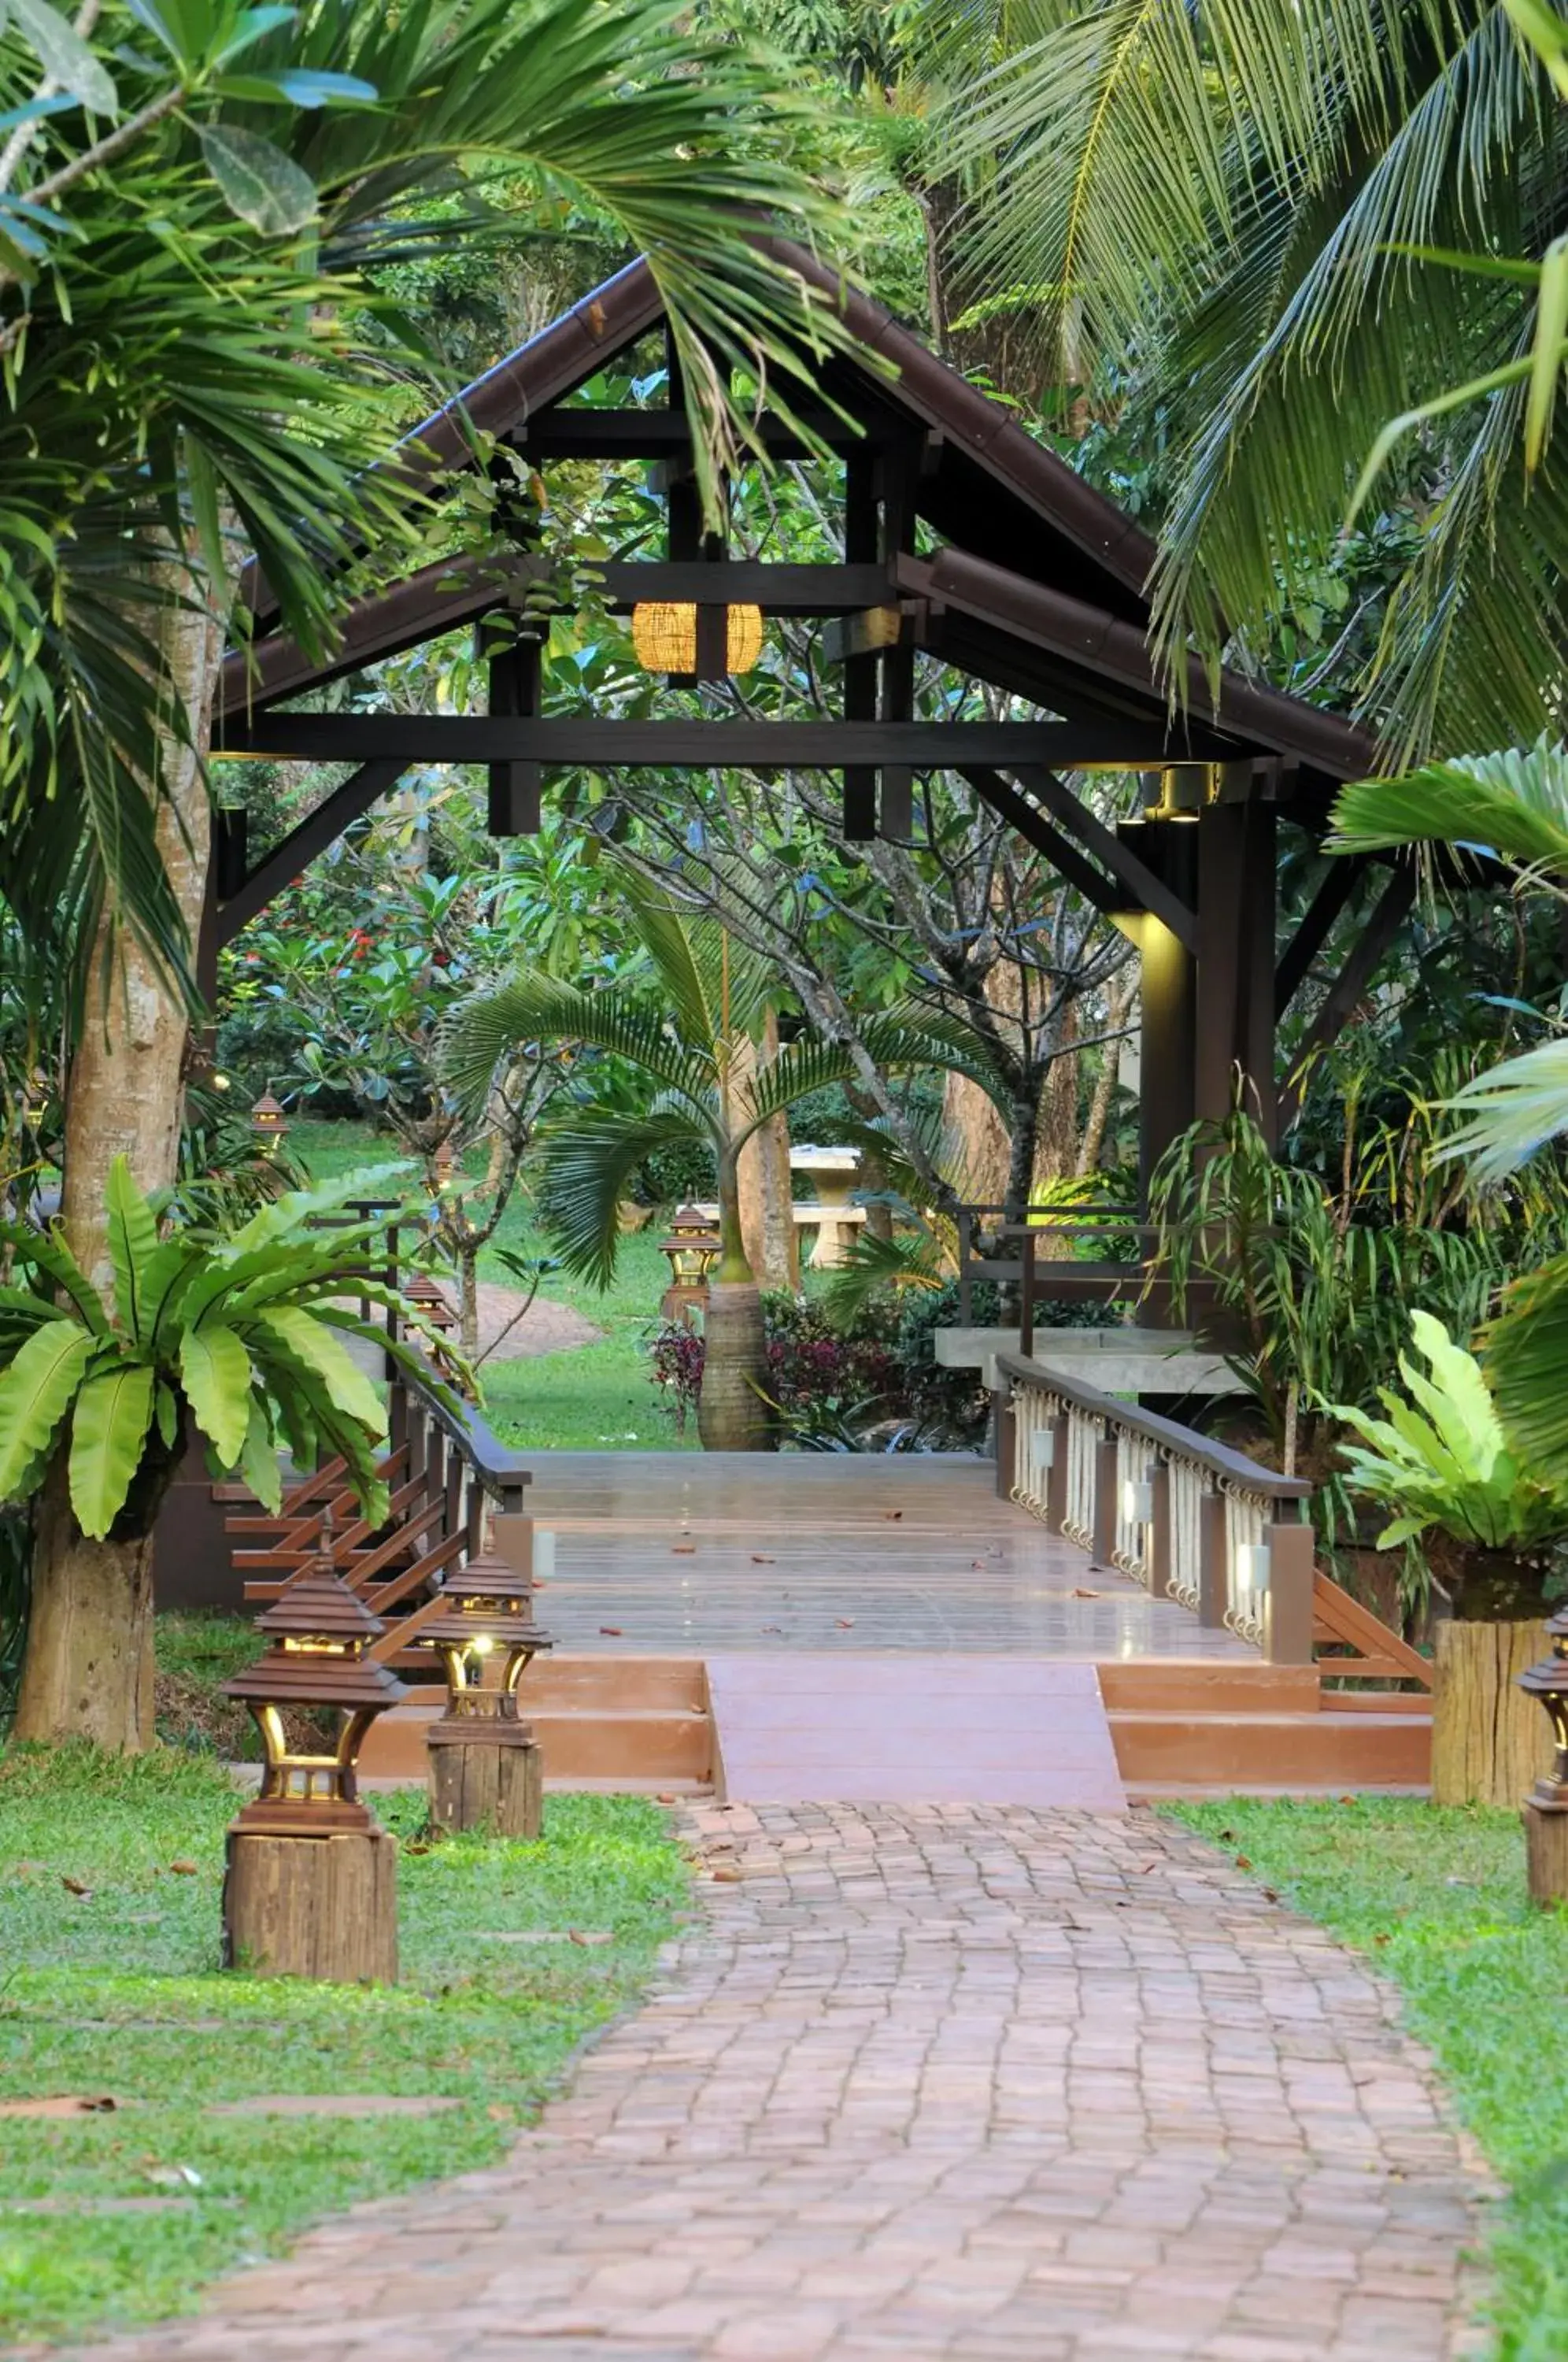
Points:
x=1169 y=1751
x=620 y=1723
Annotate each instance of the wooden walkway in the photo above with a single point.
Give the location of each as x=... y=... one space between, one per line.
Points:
x=749 y=1552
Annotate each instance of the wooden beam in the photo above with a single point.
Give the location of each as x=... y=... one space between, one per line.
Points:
x=312 y=835
x=1367 y=956
x=862 y=545
x=1032 y=824
x=678 y=745
x=898 y=472
x=753 y=582
x=848 y=636
x=1344 y=876
x=606 y=434
x=1149 y=893
x=514 y=664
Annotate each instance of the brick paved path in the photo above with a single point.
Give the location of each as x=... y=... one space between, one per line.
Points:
x=981 y=2082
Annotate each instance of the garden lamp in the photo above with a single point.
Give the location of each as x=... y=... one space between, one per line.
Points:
x=692 y=1249
x=1548 y=1682
x=269 y=1122
x=320 y=1632
x=664 y=635
x=485 y=1636
x=444 y=1165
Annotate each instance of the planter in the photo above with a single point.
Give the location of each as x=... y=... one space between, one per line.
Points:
x=1490 y=1742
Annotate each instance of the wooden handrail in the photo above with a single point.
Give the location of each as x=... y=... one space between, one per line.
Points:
x=1187 y=1518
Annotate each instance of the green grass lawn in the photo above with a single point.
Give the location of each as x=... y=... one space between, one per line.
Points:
x=1437 y=1899
x=117 y=1991
x=596 y=1398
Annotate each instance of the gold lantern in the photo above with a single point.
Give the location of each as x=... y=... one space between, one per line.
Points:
x=664 y=635
x=269 y=1122
x=485 y=1636
x=692 y=1249
x=321 y=1632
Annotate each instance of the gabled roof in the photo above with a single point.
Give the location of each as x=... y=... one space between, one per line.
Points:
x=1039 y=587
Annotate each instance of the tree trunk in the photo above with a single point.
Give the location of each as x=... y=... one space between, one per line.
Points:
x=976 y=1146
x=762 y=1173
x=88 y=1668
x=468 y=1264
x=1119 y=1010
x=730 y=1413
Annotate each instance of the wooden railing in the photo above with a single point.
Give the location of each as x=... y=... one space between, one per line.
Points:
x=1187 y=1519
x=1032 y=1251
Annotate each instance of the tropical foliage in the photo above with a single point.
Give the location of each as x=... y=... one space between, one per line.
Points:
x=1442 y=1458
x=244 y=1332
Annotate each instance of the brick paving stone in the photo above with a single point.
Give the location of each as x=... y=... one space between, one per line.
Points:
x=976 y=2083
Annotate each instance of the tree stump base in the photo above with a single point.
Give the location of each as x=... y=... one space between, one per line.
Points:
x=1546 y=1847
x=486 y=1772
x=305 y=1906
x=1490 y=1742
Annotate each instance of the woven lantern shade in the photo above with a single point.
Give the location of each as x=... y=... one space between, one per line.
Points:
x=665 y=637
x=320 y=1632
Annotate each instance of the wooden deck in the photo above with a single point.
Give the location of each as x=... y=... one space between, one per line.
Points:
x=752 y=1552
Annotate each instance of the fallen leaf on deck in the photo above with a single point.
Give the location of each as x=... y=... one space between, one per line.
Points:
x=727 y=1877
x=844 y=1622
x=1271 y=1894
x=1079 y=1593
x=892 y=1513
x=665 y=1796
x=760 y=1558
x=978 y=1562
x=1244 y=1861
x=771 y=1628
x=613 y=1629
x=183 y=1869
x=75 y=1886
x=683 y=1549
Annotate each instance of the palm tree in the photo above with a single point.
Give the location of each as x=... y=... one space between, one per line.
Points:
x=1514 y=806
x=1248 y=215
x=200 y=359
x=692 y=1037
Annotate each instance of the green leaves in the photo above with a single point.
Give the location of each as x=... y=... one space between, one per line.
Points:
x=109 y=1432
x=37 y=1388
x=1514 y=805
x=1527 y=1361
x=215 y=1369
x=63 y=54
x=259 y=182
x=133 y=1243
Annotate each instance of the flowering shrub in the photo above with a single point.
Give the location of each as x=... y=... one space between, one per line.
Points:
x=810 y=1367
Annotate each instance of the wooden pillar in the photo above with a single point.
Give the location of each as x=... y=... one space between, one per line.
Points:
x=1213 y=1563
x=1004 y=1425
x=305 y=1906
x=515 y=670
x=1107 y=1460
x=486 y=1772
x=1288 y=1601
x=861 y=537
x=1236 y=897
x=901 y=470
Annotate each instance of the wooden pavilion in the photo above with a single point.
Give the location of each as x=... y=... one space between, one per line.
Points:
x=964 y=541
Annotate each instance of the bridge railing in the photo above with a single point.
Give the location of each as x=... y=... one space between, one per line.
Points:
x=1187 y=1519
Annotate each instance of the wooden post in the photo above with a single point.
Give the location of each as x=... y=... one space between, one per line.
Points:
x=1546 y=1847
x=1287 y=1600
x=487 y=1772
x=305 y=1906
x=1490 y=1742
x=1103 y=1527
x=1213 y=1568
x=1160 y=1531
x=1005 y=1425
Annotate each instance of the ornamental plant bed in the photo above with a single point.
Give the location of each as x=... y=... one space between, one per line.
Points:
x=113 y=1994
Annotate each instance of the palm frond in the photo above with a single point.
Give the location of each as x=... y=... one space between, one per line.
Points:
x=488 y=1031
x=586 y=1166
x=1513 y=804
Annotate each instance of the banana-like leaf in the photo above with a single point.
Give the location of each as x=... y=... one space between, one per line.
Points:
x=163 y=1285
x=306 y=1341
x=214 y=1370
x=108 y=1435
x=291 y=1215
x=47 y=1252
x=37 y=1389
x=1514 y=805
x=258 y=1458
x=133 y=1243
x=533 y=1006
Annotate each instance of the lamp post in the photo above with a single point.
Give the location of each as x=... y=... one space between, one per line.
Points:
x=486 y=1769
x=311 y=1884
x=269 y=1122
x=692 y=1249
x=1546 y=1806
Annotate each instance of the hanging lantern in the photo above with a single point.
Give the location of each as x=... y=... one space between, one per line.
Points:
x=665 y=637
x=269 y=1122
x=692 y=1249
x=486 y=1771
x=321 y=1632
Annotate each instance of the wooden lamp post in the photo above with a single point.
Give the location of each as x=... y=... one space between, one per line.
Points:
x=692 y=1248
x=1546 y=1806
x=311 y=1884
x=486 y=1769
